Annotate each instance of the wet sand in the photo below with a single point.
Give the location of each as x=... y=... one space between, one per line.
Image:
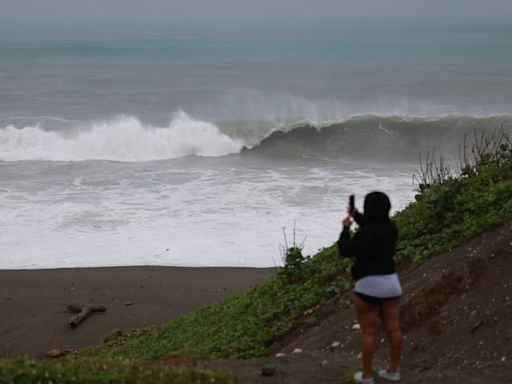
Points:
x=34 y=318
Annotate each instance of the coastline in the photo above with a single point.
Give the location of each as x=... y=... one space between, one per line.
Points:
x=33 y=302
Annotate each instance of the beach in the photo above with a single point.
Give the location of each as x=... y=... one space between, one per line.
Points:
x=34 y=318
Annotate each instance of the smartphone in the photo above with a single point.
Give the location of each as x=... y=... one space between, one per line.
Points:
x=351 y=202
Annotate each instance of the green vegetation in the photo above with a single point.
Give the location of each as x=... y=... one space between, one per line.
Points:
x=94 y=371
x=447 y=211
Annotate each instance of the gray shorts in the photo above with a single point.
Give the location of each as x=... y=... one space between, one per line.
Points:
x=379 y=286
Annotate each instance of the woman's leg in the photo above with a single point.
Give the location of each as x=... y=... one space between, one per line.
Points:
x=367 y=315
x=391 y=320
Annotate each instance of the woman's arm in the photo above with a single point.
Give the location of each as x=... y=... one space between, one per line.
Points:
x=359 y=219
x=351 y=246
x=344 y=242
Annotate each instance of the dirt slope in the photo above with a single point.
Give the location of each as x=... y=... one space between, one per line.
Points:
x=456 y=315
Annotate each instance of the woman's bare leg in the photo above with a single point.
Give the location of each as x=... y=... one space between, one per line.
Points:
x=367 y=315
x=391 y=320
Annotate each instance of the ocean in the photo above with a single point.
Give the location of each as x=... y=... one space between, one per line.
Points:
x=195 y=144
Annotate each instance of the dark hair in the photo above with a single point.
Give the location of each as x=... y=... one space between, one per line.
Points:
x=377 y=206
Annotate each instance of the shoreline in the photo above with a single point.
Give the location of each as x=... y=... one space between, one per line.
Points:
x=33 y=301
x=149 y=266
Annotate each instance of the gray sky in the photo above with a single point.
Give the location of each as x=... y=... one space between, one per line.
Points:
x=132 y=10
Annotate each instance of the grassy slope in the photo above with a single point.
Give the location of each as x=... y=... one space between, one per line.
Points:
x=249 y=324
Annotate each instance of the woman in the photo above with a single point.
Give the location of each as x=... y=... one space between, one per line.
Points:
x=377 y=288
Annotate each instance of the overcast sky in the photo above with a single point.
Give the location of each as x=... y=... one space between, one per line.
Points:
x=132 y=10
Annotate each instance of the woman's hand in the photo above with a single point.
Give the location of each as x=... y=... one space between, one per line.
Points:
x=347 y=222
x=352 y=212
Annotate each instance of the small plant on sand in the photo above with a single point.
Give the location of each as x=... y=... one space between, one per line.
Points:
x=295 y=269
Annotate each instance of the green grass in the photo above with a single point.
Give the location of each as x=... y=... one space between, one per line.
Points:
x=94 y=371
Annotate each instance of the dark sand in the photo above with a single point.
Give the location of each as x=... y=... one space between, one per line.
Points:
x=34 y=318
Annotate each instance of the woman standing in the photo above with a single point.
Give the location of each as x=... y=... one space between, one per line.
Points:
x=377 y=288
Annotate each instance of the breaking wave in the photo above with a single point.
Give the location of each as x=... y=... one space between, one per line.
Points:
x=128 y=139
x=378 y=137
x=123 y=139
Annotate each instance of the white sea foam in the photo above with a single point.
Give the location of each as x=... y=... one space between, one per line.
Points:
x=106 y=214
x=123 y=139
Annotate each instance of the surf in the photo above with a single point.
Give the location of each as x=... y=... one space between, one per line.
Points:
x=125 y=138
x=128 y=139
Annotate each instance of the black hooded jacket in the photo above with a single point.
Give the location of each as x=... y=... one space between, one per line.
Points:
x=373 y=246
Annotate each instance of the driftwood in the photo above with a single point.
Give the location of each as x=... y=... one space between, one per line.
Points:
x=83 y=312
x=58 y=352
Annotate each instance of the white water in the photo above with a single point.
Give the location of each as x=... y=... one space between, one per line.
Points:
x=122 y=139
x=103 y=214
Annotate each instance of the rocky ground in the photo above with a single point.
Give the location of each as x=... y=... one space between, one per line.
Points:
x=456 y=316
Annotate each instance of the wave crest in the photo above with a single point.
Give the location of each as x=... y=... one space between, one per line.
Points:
x=128 y=139
x=376 y=137
x=123 y=139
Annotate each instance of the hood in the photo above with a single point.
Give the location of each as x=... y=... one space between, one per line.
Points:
x=377 y=206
